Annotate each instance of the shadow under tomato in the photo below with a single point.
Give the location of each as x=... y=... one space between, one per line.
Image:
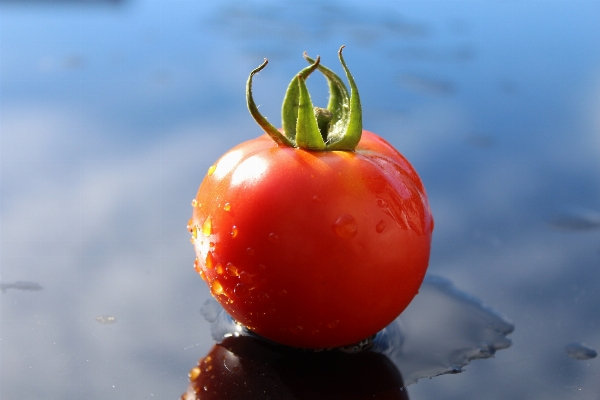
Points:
x=248 y=368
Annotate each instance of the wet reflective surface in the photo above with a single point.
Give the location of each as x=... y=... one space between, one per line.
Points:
x=441 y=331
x=111 y=112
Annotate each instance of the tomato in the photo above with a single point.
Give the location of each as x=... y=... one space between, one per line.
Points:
x=312 y=248
x=246 y=368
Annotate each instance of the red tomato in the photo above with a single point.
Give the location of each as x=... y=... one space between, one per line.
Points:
x=313 y=249
x=316 y=235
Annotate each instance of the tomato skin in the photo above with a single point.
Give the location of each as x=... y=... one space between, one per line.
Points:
x=312 y=249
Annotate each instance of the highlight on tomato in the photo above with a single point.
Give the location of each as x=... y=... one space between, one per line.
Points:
x=316 y=235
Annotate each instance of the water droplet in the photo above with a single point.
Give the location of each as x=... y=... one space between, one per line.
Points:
x=246 y=277
x=192 y=240
x=345 y=226
x=216 y=287
x=250 y=251
x=194 y=373
x=380 y=226
x=241 y=291
x=333 y=324
x=227 y=207
x=296 y=329
x=195 y=232
x=208 y=368
x=382 y=203
x=211 y=169
x=229 y=292
x=232 y=270
x=579 y=351
x=220 y=269
x=207 y=226
x=189 y=225
x=317 y=199
x=262 y=296
x=202 y=275
x=210 y=261
x=282 y=292
x=273 y=237
x=208 y=359
x=197 y=265
x=234 y=231
x=194 y=203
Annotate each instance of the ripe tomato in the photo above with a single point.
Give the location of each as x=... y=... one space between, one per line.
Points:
x=312 y=248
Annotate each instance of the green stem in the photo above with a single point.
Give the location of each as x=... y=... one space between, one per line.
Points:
x=339 y=127
x=308 y=135
x=353 y=128
x=273 y=132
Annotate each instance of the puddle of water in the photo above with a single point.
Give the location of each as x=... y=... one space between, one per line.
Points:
x=579 y=351
x=576 y=220
x=441 y=331
x=21 y=285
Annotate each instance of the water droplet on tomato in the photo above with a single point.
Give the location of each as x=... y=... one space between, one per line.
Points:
x=296 y=329
x=250 y=251
x=216 y=287
x=262 y=296
x=241 y=291
x=380 y=226
x=232 y=270
x=345 y=226
x=197 y=265
x=234 y=231
x=246 y=277
x=317 y=199
x=195 y=232
x=227 y=207
x=273 y=237
x=194 y=203
x=210 y=261
x=211 y=169
x=382 y=203
x=207 y=226
x=194 y=374
x=333 y=324
x=220 y=269
x=190 y=225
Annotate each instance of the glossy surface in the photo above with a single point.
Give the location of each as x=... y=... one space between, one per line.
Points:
x=246 y=368
x=112 y=112
x=315 y=249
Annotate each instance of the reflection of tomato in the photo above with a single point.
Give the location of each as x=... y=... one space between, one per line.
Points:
x=246 y=368
x=308 y=248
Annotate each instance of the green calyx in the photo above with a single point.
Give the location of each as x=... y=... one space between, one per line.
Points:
x=337 y=127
